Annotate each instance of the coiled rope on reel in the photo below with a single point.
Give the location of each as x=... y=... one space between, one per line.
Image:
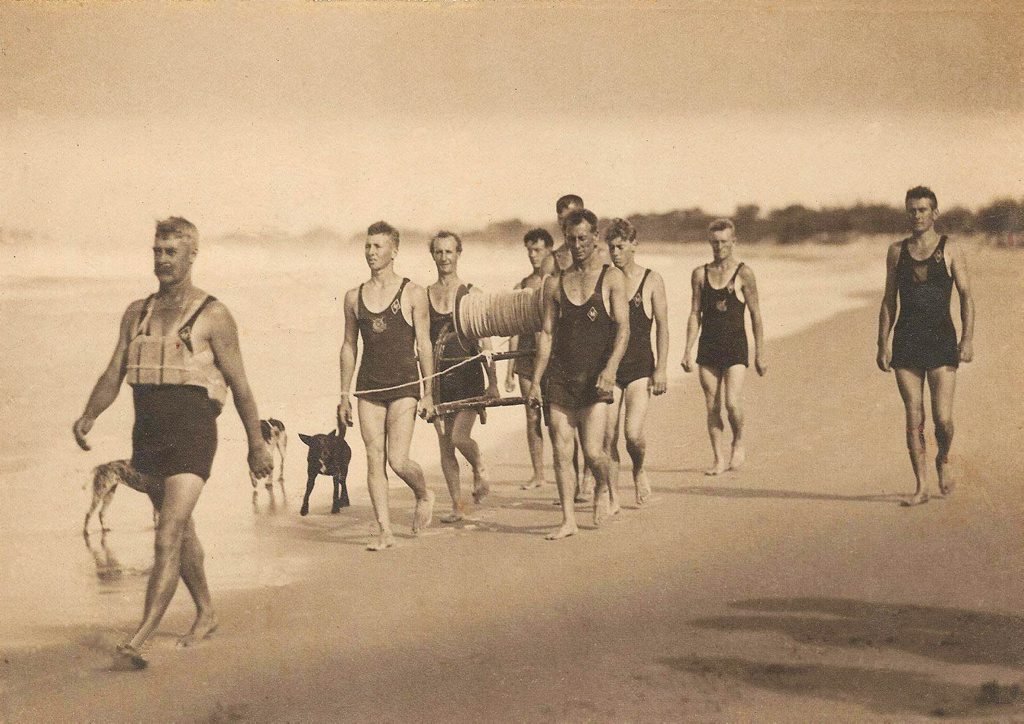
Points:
x=498 y=314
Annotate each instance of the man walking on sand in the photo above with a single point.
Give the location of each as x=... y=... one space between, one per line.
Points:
x=538 y=243
x=722 y=291
x=640 y=372
x=179 y=350
x=920 y=272
x=584 y=335
x=391 y=315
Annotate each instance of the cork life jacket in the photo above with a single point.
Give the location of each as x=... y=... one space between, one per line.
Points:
x=170 y=359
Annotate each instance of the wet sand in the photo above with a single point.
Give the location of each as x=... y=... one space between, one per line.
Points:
x=795 y=589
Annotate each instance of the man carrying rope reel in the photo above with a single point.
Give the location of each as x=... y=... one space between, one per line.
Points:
x=584 y=342
x=456 y=381
x=388 y=384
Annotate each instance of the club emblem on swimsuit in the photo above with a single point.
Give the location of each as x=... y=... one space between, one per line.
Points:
x=637 y=300
x=395 y=306
x=937 y=255
x=379 y=325
x=722 y=305
x=592 y=314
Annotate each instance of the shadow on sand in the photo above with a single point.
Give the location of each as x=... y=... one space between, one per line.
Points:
x=950 y=635
x=890 y=692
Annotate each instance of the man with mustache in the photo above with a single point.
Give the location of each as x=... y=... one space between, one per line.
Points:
x=179 y=350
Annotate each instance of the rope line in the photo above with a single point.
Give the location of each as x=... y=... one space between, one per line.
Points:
x=479 y=355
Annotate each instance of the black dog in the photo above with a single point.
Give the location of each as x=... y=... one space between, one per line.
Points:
x=328 y=455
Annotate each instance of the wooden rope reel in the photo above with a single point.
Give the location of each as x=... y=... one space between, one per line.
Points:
x=476 y=316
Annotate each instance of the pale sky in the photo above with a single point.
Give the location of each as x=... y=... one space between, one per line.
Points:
x=294 y=115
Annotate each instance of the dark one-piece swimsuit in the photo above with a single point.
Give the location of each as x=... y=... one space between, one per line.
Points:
x=638 y=360
x=583 y=341
x=924 y=337
x=723 y=337
x=462 y=382
x=389 y=352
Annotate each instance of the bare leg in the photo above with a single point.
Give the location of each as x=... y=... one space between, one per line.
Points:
x=194 y=575
x=593 y=421
x=372 y=417
x=401 y=421
x=611 y=448
x=282 y=448
x=733 y=379
x=942 y=385
x=563 y=428
x=461 y=433
x=534 y=438
x=450 y=468
x=584 y=475
x=711 y=383
x=637 y=395
x=911 y=386
x=179 y=497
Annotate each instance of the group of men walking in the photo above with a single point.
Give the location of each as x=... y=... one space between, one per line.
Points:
x=591 y=372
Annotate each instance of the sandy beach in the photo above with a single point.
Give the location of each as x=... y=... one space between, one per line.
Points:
x=795 y=590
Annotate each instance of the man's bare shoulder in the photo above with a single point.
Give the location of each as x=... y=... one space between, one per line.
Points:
x=746 y=273
x=615 y=276
x=351 y=297
x=218 y=313
x=697 y=275
x=894 y=249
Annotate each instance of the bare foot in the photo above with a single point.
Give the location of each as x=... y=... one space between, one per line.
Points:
x=600 y=510
x=718 y=468
x=916 y=499
x=583 y=496
x=614 y=508
x=128 y=658
x=565 y=531
x=480 y=490
x=424 y=512
x=385 y=541
x=739 y=456
x=946 y=481
x=454 y=517
x=535 y=483
x=643 y=488
x=203 y=628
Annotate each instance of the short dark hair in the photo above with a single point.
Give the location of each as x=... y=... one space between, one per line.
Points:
x=539 y=234
x=721 y=225
x=566 y=201
x=921 y=192
x=442 y=234
x=177 y=227
x=383 y=227
x=619 y=229
x=578 y=217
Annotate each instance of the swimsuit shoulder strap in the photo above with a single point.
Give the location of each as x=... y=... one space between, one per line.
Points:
x=600 y=279
x=185 y=331
x=706 y=282
x=398 y=296
x=942 y=244
x=359 y=303
x=640 y=289
x=144 y=315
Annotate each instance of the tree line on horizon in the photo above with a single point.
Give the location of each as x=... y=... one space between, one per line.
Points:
x=1002 y=220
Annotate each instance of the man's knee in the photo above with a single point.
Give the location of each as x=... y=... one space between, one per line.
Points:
x=944 y=427
x=636 y=445
x=170 y=534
